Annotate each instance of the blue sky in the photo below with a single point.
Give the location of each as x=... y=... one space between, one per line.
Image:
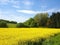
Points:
x=21 y=10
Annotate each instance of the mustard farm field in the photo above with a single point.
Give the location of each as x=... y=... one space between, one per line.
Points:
x=11 y=36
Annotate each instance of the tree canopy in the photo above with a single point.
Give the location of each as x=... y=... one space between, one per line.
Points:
x=54 y=21
x=3 y=24
x=41 y=19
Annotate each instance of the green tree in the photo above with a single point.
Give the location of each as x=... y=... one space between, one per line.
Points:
x=41 y=19
x=54 y=21
x=31 y=23
x=28 y=22
x=3 y=24
x=21 y=25
x=4 y=20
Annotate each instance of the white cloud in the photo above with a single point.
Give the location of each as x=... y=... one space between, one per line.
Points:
x=27 y=11
x=11 y=16
x=48 y=11
x=0 y=14
x=14 y=18
x=15 y=3
x=16 y=6
x=4 y=1
x=58 y=10
x=27 y=3
x=35 y=12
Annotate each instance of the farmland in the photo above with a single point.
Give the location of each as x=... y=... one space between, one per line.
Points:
x=10 y=25
x=11 y=36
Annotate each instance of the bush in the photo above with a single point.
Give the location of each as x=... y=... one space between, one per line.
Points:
x=3 y=24
x=33 y=24
x=21 y=25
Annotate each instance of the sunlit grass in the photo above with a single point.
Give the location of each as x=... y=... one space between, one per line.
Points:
x=11 y=25
x=9 y=36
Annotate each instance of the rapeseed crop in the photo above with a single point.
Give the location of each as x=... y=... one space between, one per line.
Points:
x=11 y=36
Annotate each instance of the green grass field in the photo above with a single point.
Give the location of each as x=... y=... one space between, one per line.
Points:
x=55 y=40
x=11 y=25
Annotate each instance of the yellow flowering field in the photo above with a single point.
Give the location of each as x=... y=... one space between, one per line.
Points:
x=11 y=36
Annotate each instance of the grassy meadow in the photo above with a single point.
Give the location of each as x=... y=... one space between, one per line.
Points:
x=11 y=25
x=11 y=36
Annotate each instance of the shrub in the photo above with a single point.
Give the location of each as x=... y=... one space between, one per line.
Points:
x=3 y=24
x=21 y=25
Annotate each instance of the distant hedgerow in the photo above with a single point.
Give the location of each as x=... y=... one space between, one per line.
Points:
x=3 y=24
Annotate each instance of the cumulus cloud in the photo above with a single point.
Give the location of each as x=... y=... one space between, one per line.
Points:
x=0 y=14
x=4 y=1
x=8 y=15
x=15 y=3
x=34 y=12
x=13 y=18
x=27 y=11
x=16 y=6
x=27 y=3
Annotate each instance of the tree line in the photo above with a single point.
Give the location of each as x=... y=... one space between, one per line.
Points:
x=39 y=20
